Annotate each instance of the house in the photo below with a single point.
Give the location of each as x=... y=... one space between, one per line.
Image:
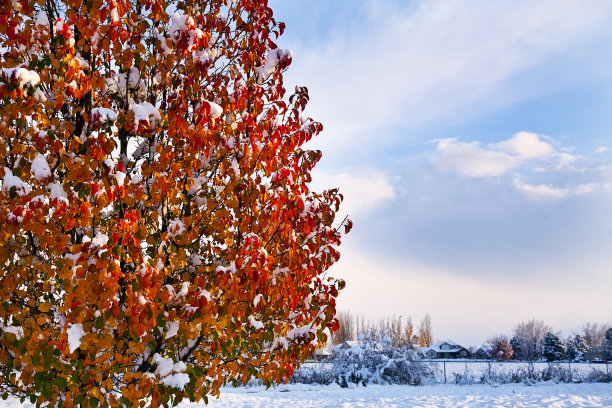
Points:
x=483 y=352
x=349 y=344
x=445 y=349
x=322 y=354
x=594 y=356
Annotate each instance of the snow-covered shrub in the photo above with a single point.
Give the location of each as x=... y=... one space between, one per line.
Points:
x=313 y=375
x=376 y=361
x=597 y=375
x=556 y=373
x=465 y=378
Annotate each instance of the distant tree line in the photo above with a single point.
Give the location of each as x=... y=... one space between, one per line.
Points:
x=401 y=331
x=531 y=340
x=535 y=340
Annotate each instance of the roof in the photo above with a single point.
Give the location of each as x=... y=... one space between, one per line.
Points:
x=484 y=347
x=436 y=347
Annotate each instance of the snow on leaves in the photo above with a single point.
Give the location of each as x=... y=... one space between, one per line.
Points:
x=159 y=236
x=20 y=77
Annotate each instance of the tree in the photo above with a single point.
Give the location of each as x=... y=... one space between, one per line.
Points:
x=408 y=336
x=516 y=344
x=575 y=347
x=346 y=328
x=608 y=343
x=159 y=237
x=552 y=348
x=528 y=339
x=594 y=334
x=424 y=335
x=502 y=350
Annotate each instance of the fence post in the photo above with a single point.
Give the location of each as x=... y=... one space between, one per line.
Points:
x=444 y=362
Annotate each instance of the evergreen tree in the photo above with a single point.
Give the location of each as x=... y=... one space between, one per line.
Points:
x=515 y=343
x=608 y=341
x=552 y=348
x=570 y=349
x=580 y=345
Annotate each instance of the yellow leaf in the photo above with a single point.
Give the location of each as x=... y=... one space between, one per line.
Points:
x=44 y=307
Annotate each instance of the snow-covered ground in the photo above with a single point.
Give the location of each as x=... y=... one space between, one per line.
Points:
x=542 y=395
x=432 y=396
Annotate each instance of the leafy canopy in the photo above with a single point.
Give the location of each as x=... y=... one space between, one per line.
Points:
x=158 y=235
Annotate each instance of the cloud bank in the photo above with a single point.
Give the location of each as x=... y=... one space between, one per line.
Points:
x=472 y=160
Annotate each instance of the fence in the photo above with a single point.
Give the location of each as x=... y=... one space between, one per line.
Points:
x=451 y=369
x=490 y=371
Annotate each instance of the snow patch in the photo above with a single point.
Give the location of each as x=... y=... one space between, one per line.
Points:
x=177 y=227
x=172 y=330
x=16 y=330
x=274 y=59
x=145 y=112
x=176 y=381
x=214 y=110
x=103 y=115
x=10 y=180
x=40 y=168
x=57 y=192
x=173 y=374
x=184 y=289
x=120 y=177
x=255 y=323
x=198 y=182
x=22 y=76
x=75 y=334
x=183 y=30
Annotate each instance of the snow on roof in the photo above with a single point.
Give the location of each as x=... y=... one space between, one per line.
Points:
x=349 y=344
x=437 y=347
x=484 y=347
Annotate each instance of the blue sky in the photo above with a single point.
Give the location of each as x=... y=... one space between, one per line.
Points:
x=473 y=142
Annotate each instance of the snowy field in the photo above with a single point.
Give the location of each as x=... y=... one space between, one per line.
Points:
x=432 y=396
x=543 y=395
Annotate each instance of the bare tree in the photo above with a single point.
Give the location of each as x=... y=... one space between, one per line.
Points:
x=409 y=333
x=346 y=331
x=529 y=337
x=425 y=336
x=594 y=334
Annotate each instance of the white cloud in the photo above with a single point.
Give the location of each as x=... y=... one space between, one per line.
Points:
x=364 y=189
x=602 y=149
x=542 y=192
x=471 y=160
x=526 y=145
x=548 y=192
x=435 y=59
x=496 y=159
